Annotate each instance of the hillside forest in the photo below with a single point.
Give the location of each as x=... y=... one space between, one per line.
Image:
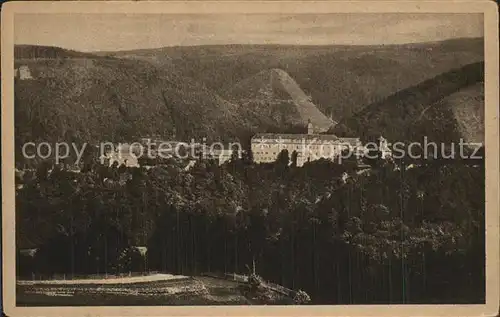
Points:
x=392 y=234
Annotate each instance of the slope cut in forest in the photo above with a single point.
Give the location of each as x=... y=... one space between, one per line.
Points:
x=278 y=95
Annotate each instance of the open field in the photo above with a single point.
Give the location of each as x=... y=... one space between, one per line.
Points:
x=151 y=290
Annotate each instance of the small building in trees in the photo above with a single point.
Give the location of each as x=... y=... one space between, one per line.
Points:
x=23 y=72
x=124 y=154
x=221 y=155
x=385 y=151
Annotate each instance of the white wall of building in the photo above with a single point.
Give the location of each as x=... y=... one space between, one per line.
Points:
x=267 y=150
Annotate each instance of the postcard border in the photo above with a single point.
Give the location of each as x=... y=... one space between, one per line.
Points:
x=488 y=8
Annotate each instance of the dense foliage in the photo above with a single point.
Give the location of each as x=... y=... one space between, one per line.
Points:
x=388 y=235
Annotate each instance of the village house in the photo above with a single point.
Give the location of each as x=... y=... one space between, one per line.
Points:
x=23 y=73
x=384 y=148
x=221 y=155
x=123 y=155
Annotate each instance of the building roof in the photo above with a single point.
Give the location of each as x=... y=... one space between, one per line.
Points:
x=305 y=137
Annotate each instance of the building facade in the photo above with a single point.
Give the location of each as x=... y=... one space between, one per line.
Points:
x=309 y=147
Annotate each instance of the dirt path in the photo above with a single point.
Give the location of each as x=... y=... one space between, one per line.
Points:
x=111 y=280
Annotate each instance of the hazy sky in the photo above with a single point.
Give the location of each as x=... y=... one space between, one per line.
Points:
x=94 y=32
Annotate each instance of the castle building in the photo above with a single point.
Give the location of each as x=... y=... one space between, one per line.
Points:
x=309 y=147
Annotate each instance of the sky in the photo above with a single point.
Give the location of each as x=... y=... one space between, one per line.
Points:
x=114 y=32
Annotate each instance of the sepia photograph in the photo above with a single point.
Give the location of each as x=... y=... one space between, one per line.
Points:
x=289 y=155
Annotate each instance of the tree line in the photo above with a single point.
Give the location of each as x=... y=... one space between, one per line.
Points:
x=387 y=235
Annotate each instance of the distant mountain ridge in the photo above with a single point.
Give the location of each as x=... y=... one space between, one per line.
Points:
x=24 y=51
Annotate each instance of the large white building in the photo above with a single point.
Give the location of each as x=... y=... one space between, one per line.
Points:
x=309 y=147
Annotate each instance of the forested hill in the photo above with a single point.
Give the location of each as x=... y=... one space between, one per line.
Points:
x=186 y=91
x=81 y=97
x=445 y=108
x=94 y=98
x=340 y=79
